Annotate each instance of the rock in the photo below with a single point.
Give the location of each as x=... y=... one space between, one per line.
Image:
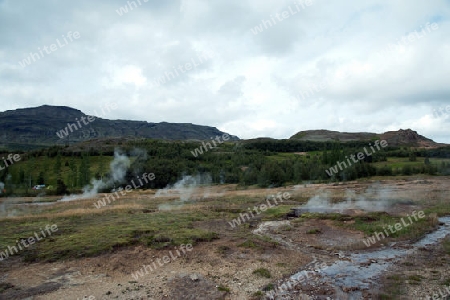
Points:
x=194 y=277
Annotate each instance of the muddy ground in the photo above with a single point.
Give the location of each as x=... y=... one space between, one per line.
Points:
x=222 y=269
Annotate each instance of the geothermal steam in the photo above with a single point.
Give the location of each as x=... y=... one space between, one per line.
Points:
x=118 y=169
x=373 y=199
x=185 y=188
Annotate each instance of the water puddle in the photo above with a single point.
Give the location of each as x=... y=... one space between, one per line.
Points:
x=360 y=271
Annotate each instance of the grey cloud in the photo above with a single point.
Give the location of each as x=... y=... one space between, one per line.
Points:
x=251 y=86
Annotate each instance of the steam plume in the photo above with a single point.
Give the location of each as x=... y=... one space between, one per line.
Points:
x=118 y=169
x=373 y=199
x=185 y=188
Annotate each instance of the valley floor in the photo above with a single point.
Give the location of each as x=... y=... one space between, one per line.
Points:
x=243 y=262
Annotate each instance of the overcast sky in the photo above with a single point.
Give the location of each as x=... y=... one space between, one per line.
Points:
x=351 y=65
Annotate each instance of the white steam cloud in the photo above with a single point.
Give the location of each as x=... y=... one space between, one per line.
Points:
x=373 y=199
x=118 y=169
x=185 y=189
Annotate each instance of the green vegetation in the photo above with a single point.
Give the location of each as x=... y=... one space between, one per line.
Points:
x=373 y=222
x=223 y=288
x=89 y=232
x=415 y=279
x=446 y=246
x=277 y=212
x=257 y=295
x=72 y=171
x=249 y=244
x=263 y=272
x=86 y=233
x=393 y=287
x=266 y=163
x=92 y=234
x=378 y=222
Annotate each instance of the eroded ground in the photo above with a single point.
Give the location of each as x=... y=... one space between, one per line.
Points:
x=224 y=268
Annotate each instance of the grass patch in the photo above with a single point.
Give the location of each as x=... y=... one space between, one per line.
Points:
x=377 y=222
x=92 y=234
x=263 y=272
x=441 y=209
x=326 y=216
x=446 y=245
x=223 y=288
x=415 y=279
x=257 y=295
x=249 y=244
x=314 y=231
x=393 y=287
x=278 y=212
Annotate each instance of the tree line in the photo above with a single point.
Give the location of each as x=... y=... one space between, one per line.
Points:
x=266 y=163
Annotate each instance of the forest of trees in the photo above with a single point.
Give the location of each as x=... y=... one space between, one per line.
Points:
x=244 y=163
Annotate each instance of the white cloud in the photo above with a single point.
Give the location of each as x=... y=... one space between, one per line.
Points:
x=251 y=86
x=127 y=75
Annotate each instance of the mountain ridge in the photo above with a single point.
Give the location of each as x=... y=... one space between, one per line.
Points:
x=401 y=137
x=38 y=126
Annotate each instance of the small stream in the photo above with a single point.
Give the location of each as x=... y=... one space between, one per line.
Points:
x=362 y=270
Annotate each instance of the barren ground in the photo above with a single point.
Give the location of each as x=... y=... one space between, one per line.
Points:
x=223 y=268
